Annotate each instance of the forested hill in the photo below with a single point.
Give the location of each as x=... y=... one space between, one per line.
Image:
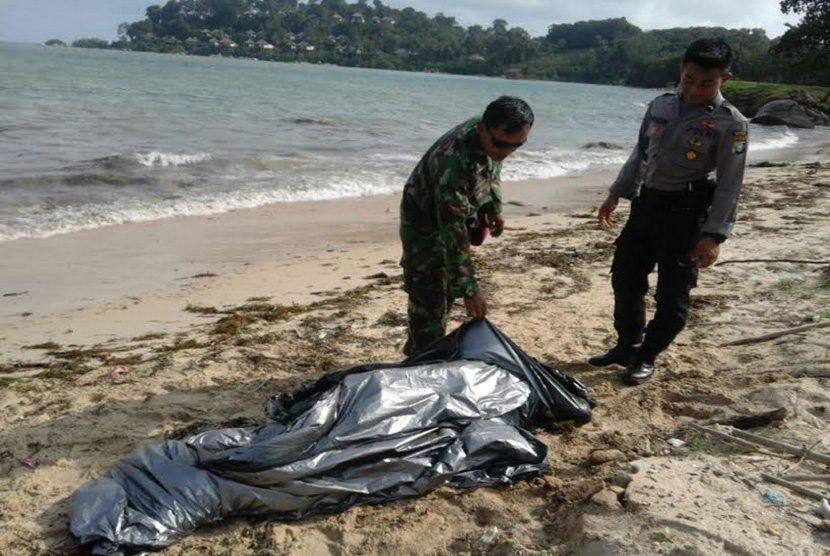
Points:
x=611 y=51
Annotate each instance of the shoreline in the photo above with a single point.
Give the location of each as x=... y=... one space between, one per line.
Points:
x=98 y=285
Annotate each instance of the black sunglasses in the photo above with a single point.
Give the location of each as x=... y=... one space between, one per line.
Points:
x=499 y=144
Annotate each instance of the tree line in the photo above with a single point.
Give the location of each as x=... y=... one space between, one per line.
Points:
x=610 y=51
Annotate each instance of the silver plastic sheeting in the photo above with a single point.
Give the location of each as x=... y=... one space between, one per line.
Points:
x=374 y=434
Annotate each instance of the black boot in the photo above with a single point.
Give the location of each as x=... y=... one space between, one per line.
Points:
x=618 y=355
x=639 y=371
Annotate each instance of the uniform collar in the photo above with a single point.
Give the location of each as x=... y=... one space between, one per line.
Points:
x=474 y=142
x=710 y=106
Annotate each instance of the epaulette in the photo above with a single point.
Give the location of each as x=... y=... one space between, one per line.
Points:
x=733 y=110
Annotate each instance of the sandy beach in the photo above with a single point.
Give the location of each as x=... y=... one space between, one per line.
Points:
x=118 y=337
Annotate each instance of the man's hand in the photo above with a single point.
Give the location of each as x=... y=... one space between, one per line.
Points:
x=496 y=224
x=706 y=252
x=476 y=306
x=608 y=207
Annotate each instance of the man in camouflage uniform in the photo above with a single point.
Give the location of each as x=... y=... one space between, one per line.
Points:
x=678 y=216
x=454 y=187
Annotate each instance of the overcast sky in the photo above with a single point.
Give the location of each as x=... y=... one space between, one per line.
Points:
x=40 y=20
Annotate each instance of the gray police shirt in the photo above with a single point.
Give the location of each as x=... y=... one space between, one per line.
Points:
x=679 y=144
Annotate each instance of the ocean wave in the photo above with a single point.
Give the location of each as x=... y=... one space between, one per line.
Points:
x=778 y=141
x=37 y=222
x=155 y=158
x=527 y=165
x=79 y=180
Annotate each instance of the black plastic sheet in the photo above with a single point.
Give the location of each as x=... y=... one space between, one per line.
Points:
x=451 y=415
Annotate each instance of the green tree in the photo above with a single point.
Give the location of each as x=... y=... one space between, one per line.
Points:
x=808 y=43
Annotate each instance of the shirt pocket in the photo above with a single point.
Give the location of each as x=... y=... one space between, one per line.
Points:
x=655 y=133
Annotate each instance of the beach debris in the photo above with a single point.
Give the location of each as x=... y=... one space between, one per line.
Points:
x=793 y=261
x=751 y=420
x=621 y=479
x=516 y=203
x=205 y=275
x=15 y=294
x=31 y=463
x=607 y=499
x=776 y=335
x=756 y=442
x=118 y=372
x=26 y=314
x=793 y=487
x=392 y=319
x=808 y=478
x=331 y=327
x=598 y=457
x=486 y=539
x=378 y=276
x=5 y=454
x=675 y=443
x=824 y=509
x=774 y=499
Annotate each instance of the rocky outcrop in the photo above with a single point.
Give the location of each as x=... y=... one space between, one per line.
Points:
x=601 y=145
x=783 y=112
x=752 y=104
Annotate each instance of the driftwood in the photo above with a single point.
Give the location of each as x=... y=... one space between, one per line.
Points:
x=775 y=335
x=808 y=478
x=783 y=446
x=794 y=487
x=752 y=420
x=793 y=261
x=726 y=436
x=812 y=373
x=754 y=441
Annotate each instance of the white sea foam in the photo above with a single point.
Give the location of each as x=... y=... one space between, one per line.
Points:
x=525 y=165
x=770 y=140
x=156 y=158
x=39 y=223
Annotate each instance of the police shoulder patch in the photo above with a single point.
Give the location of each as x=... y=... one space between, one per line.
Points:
x=739 y=141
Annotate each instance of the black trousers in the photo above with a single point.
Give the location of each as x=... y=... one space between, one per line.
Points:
x=662 y=230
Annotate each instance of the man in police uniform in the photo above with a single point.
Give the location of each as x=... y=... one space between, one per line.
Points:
x=455 y=187
x=679 y=218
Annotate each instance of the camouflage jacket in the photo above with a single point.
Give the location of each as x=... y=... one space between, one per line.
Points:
x=444 y=193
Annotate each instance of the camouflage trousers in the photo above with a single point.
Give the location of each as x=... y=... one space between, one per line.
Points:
x=427 y=309
x=427 y=284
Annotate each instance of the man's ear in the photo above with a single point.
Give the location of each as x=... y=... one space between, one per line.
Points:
x=726 y=77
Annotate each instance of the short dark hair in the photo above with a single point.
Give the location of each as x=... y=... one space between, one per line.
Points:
x=709 y=54
x=512 y=112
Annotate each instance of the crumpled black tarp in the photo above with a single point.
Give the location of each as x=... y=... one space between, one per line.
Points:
x=449 y=416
